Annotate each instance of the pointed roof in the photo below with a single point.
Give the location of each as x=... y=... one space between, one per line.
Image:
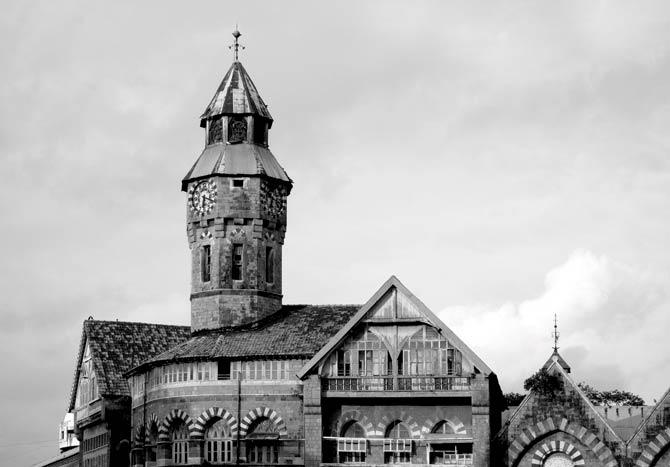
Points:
x=236 y=94
x=388 y=286
x=556 y=357
x=118 y=346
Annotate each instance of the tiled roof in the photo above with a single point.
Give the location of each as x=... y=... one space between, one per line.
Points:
x=236 y=94
x=118 y=346
x=235 y=159
x=294 y=331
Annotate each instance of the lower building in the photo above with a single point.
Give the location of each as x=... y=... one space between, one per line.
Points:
x=384 y=383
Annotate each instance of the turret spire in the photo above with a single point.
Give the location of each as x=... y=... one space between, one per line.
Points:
x=556 y=334
x=236 y=45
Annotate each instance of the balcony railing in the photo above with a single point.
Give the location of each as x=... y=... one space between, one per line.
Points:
x=401 y=383
x=453 y=460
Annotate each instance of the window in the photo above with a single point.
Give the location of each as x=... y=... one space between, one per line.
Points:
x=451 y=453
x=269 y=265
x=398 y=444
x=218 y=444
x=343 y=363
x=237 y=130
x=351 y=447
x=224 y=369
x=206 y=263
x=263 y=442
x=237 y=183
x=215 y=131
x=237 y=261
x=180 y=445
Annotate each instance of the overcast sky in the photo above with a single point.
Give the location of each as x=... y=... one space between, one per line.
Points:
x=506 y=160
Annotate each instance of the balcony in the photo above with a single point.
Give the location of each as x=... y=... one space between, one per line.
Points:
x=384 y=384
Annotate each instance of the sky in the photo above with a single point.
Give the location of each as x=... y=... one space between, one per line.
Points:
x=507 y=161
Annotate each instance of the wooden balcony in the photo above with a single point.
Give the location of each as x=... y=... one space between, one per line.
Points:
x=352 y=385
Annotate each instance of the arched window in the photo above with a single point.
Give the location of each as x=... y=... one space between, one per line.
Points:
x=442 y=427
x=558 y=459
x=351 y=447
x=218 y=443
x=398 y=444
x=262 y=442
x=180 y=444
x=237 y=130
x=215 y=131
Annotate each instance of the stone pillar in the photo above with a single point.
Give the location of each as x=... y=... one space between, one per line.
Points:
x=196 y=452
x=376 y=452
x=481 y=422
x=313 y=421
x=163 y=453
x=137 y=456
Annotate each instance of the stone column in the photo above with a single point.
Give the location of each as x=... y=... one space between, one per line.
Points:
x=137 y=456
x=481 y=423
x=313 y=421
x=195 y=452
x=164 y=453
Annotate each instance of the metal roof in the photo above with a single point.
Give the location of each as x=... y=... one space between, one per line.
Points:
x=236 y=94
x=235 y=159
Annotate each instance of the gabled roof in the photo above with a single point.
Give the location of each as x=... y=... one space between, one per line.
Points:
x=295 y=331
x=118 y=346
x=388 y=286
x=560 y=360
x=236 y=94
x=235 y=159
x=555 y=365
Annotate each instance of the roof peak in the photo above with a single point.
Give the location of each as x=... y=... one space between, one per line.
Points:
x=237 y=94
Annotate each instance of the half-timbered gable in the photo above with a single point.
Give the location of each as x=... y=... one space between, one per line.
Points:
x=397 y=385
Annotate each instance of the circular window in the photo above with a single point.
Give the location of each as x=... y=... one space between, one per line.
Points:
x=558 y=459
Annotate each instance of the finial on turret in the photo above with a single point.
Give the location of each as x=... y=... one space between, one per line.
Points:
x=236 y=46
x=556 y=334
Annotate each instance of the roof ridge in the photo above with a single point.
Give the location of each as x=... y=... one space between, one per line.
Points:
x=109 y=321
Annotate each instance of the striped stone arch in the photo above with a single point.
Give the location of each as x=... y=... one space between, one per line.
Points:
x=213 y=414
x=153 y=420
x=553 y=447
x=260 y=412
x=654 y=449
x=404 y=417
x=533 y=434
x=454 y=423
x=355 y=416
x=175 y=414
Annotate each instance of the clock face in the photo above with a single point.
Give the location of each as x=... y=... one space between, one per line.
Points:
x=201 y=197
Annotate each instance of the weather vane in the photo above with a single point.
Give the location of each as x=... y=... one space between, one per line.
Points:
x=236 y=46
x=556 y=334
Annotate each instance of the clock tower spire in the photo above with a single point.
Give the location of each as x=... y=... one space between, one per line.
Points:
x=236 y=210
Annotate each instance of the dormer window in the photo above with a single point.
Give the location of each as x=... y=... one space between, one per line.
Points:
x=237 y=130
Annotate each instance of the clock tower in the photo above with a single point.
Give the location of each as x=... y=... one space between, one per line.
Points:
x=236 y=210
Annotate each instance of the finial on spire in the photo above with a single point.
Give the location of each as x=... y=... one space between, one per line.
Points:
x=236 y=46
x=556 y=334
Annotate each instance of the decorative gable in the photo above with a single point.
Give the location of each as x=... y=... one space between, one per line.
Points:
x=87 y=385
x=395 y=334
x=394 y=305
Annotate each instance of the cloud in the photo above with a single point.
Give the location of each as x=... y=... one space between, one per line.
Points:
x=612 y=319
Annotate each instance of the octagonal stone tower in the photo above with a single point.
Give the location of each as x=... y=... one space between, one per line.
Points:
x=236 y=211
